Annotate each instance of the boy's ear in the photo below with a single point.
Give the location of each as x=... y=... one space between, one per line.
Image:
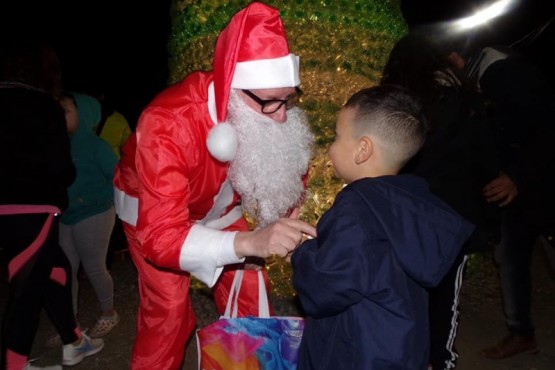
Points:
x=365 y=150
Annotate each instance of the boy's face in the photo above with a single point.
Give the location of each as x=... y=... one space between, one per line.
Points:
x=344 y=149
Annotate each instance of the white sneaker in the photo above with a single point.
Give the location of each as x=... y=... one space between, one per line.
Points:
x=74 y=354
x=32 y=367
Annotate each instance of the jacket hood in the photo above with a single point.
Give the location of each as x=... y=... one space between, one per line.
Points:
x=425 y=233
x=90 y=113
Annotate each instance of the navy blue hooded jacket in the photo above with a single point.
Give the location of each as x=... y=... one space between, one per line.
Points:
x=362 y=282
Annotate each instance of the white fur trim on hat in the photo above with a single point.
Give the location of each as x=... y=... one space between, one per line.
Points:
x=267 y=73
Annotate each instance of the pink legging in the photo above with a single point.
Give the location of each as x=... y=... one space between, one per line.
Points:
x=38 y=273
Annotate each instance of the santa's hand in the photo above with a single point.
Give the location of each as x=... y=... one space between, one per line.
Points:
x=279 y=238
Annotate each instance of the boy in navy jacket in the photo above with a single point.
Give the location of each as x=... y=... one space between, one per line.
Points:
x=362 y=282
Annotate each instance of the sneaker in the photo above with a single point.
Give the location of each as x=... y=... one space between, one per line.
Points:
x=104 y=325
x=74 y=354
x=32 y=367
x=511 y=345
x=54 y=340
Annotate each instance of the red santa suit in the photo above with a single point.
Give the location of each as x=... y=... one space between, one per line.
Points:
x=179 y=210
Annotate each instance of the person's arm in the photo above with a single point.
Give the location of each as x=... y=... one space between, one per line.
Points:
x=165 y=156
x=333 y=271
x=279 y=238
x=523 y=104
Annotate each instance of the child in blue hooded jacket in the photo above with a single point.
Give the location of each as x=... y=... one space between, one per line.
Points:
x=362 y=282
x=87 y=224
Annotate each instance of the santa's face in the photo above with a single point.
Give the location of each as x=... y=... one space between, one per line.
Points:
x=273 y=154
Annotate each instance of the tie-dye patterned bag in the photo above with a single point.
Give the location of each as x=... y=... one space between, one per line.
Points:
x=249 y=343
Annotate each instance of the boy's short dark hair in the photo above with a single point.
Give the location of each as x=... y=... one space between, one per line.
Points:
x=394 y=116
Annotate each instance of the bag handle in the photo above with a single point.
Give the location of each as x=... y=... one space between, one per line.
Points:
x=234 y=294
x=232 y=304
x=263 y=305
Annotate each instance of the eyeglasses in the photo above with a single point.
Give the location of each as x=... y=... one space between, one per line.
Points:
x=273 y=105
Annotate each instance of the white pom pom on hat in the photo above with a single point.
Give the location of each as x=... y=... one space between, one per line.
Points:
x=222 y=142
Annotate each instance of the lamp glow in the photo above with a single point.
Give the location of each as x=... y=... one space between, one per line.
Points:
x=484 y=15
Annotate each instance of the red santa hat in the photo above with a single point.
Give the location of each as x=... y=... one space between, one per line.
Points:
x=252 y=53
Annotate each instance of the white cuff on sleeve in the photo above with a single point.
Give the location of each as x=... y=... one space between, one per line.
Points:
x=206 y=251
x=127 y=207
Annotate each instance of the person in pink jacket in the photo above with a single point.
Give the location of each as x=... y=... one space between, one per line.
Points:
x=208 y=150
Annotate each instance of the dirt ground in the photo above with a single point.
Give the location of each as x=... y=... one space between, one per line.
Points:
x=481 y=320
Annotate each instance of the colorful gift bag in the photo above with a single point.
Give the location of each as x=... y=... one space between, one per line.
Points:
x=249 y=343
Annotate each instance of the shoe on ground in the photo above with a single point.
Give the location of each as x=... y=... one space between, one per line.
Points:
x=29 y=366
x=104 y=325
x=75 y=353
x=54 y=340
x=511 y=345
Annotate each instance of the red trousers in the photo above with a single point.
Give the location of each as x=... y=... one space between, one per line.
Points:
x=166 y=319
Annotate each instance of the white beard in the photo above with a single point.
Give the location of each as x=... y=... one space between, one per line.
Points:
x=270 y=162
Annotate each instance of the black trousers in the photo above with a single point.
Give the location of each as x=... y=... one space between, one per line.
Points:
x=33 y=286
x=514 y=258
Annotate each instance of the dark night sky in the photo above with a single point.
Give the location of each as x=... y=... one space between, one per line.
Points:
x=120 y=45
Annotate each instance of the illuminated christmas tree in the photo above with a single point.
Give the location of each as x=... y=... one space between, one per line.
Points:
x=343 y=46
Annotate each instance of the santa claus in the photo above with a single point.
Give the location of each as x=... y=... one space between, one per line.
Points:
x=207 y=150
